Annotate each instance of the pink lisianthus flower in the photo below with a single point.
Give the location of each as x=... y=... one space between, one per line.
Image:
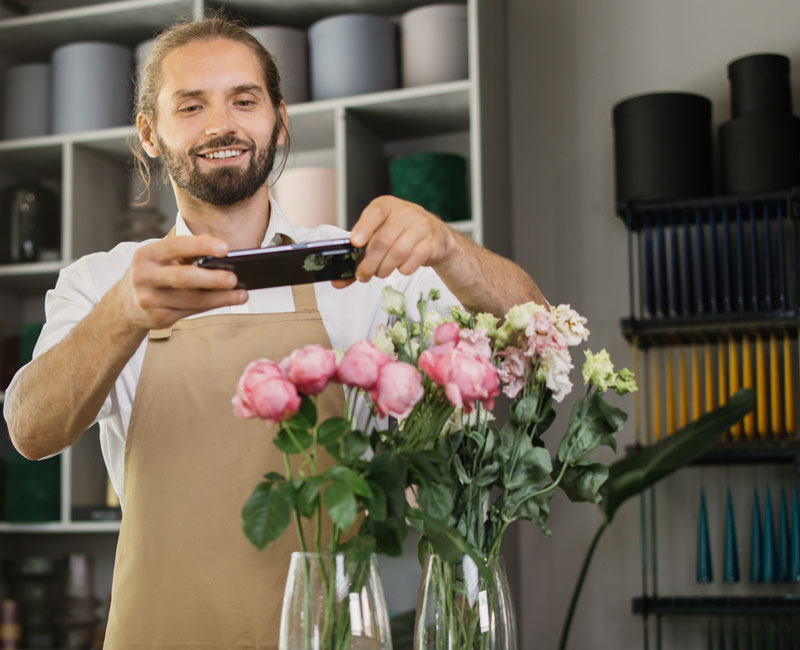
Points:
x=556 y=365
x=398 y=389
x=466 y=378
x=512 y=371
x=310 y=368
x=476 y=342
x=543 y=336
x=361 y=365
x=435 y=362
x=446 y=334
x=255 y=374
x=263 y=391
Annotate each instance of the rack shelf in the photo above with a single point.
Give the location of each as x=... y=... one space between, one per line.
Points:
x=717 y=605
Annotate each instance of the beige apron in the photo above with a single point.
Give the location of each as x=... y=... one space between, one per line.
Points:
x=185 y=575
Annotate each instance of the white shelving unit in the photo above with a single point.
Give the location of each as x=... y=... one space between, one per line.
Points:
x=90 y=171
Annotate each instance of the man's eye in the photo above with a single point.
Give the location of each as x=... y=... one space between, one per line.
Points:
x=245 y=102
x=189 y=109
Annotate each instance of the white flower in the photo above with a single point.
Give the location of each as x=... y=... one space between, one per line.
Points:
x=570 y=323
x=383 y=341
x=520 y=315
x=556 y=365
x=598 y=370
x=486 y=321
x=432 y=320
x=394 y=302
x=399 y=332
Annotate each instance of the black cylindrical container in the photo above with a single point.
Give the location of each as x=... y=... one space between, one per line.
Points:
x=760 y=153
x=760 y=85
x=662 y=147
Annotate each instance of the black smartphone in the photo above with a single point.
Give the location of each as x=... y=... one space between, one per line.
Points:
x=277 y=266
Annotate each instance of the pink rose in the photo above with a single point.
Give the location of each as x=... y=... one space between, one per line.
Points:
x=254 y=375
x=310 y=368
x=476 y=342
x=361 y=365
x=446 y=333
x=471 y=379
x=435 y=362
x=398 y=389
x=264 y=392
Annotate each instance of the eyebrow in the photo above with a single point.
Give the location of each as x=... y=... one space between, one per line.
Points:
x=241 y=88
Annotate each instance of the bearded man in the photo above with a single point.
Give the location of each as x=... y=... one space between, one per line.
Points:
x=149 y=345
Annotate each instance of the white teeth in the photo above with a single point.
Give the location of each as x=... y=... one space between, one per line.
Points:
x=228 y=153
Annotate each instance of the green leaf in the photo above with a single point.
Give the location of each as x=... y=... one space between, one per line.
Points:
x=390 y=535
x=436 y=500
x=389 y=472
x=307 y=496
x=640 y=469
x=449 y=543
x=355 y=444
x=359 y=548
x=306 y=416
x=351 y=479
x=273 y=477
x=302 y=441
x=508 y=437
x=593 y=422
x=340 y=502
x=582 y=481
x=487 y=474
x=376 y=504
x=331 y=430
x=533 y=466
x=266 y=514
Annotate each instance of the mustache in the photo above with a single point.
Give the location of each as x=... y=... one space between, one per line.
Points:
x=219 y=142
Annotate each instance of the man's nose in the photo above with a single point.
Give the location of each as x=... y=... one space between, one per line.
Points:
x=219 y=121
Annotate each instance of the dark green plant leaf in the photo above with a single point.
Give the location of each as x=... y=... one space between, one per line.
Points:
x=593 y=422
x=340 y=502
x=448 y=542
x=390 y=535
x=583 y=480
x=355 y=443
x=524 y=411
x=331 y=430
x=266 y=514
x=273 y=477
x=306 y=416
x=302 y=441
x=436 y=500
x=359 y=548
x=376 y=504
x=533 y=465
x=487 y=474
x=307 y=497
x=388 y=471
x=640 y=469
x=351 y=479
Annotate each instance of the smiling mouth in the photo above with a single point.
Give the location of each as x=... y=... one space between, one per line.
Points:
x=227 y=153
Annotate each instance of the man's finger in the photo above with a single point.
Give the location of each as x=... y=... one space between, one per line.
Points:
x=370 y=220
x=170 y=249
x=342 y=284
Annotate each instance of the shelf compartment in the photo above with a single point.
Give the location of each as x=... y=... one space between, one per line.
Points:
x=787 y=604
x=34 y=277
x=62 y=527
x=128 y=23
x=32 y=157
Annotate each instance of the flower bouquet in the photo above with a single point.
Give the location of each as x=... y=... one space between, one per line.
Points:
x=468 y=477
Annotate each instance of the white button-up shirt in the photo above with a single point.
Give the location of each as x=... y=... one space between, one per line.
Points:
x=82 y=284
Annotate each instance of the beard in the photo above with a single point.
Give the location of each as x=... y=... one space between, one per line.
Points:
x=223 y=186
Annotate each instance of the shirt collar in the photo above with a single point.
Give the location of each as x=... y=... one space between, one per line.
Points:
x=278 y=227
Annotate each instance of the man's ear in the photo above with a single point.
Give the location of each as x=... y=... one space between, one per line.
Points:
x=285 y=120
x=147 y=136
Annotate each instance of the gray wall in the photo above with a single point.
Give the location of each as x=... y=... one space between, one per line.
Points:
x=570 y=61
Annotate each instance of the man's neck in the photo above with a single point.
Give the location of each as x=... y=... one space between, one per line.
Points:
x=242 y=225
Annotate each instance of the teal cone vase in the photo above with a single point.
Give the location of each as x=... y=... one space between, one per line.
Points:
x=756 y=568
x=794 y=541
x=768 y=546
x=731 y=555
x=704 y=571
x=783 y=539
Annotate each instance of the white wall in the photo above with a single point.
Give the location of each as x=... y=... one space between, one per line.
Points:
x=570 y=61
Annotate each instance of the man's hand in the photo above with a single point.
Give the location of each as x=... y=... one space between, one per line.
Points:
x=398 y=235
x=162 y=285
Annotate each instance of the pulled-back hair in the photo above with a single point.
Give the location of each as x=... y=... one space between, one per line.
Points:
x=148 y=85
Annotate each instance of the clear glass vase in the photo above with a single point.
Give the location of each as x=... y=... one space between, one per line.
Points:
x=459 y=609
x=333 y=602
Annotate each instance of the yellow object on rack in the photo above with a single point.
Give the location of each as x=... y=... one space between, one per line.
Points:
x=656 y=400
x=733 y=381
x=762 y=415
x=747 y=382
x=669 y=389
x=775 y=386
x=683 y=391
x=696 y=407
x=637 y=432
x=722 y=379
x=709 y=377
x=788 y=386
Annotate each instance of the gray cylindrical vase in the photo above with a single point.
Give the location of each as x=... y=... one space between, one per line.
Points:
x=289 y=48
x=433 y=44
x=91 y=86
x=27 y=101
x=352 y=54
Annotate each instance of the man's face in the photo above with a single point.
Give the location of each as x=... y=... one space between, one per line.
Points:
x=216 y=129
